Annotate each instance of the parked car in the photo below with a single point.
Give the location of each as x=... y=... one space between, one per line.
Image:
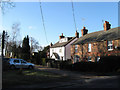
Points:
x=19 y=63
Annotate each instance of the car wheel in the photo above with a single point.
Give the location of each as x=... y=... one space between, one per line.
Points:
x=30 y=67
x=12 y=67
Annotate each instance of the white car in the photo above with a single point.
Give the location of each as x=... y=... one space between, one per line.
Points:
x=20 y=63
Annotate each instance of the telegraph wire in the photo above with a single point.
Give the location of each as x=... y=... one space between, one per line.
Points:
x=43 y=20
x=73 y=15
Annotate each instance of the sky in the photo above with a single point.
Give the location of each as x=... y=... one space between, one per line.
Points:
x=58 y=18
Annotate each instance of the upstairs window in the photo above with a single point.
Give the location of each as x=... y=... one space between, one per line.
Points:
x=109 y=45
x=89 y=47
x=52 y=50
x=89 y=58
x=76 y=48
x=60 y=50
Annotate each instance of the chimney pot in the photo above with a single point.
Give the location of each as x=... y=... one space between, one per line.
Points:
x=106 y=26
x=84 y=31
x=77 y=34
x=105 y=21
x=60 y=37
x=51 y=44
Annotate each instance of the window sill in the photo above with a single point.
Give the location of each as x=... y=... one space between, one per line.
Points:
x=89 y=60
x=89 y=51
x=110 y=49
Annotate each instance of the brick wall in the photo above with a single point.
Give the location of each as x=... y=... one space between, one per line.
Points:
x=97 y=49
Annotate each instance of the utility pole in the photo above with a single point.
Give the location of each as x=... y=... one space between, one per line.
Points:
x=31 y=48
x=3 y=41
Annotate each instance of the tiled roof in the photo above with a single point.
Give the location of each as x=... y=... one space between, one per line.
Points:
x=111 y=34
x=64 y=43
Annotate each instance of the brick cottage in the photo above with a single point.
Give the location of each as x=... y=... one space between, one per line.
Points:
x=92 y=46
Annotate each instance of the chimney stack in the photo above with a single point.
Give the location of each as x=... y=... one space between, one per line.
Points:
x=77 y=34
x=84 y=31
x=51 y=44
x=60 y=37
x=107 y=26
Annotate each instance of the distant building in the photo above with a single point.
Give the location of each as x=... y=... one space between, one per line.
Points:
x=48 y=51
x=92 y=46
x=34 y=53
x=61 y=49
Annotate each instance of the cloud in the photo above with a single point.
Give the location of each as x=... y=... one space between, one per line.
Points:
x=31 y=27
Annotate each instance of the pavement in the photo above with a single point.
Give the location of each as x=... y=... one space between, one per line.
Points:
x=77 y=80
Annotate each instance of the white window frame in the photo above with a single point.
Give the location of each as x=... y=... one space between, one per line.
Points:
x=52 y=50
x=98 y=58
x=60 y=50
x=110 y=45
x=89 y=47
x=76 y=59
x=76 y=48
x=89 y=58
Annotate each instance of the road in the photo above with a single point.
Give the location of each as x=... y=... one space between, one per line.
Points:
x=78 y=80
x=84 y=80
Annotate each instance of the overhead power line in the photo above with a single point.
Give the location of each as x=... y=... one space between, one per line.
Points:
x=73 y=14
x=43 y=21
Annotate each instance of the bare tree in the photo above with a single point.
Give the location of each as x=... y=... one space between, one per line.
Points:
x=40 y=48
x=6 y=42
x=15 y=32
x=14 y=38
x=34 y=45
x=6 y=5
x=19 y=43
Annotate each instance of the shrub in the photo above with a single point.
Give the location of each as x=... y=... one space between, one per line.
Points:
x=106 y=64
x=110 y=63
x=59 y=64
x=50 y=62
x=43 y=62
x=66 y=65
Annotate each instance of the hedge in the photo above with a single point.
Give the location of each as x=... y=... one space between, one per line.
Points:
x=106 y=64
